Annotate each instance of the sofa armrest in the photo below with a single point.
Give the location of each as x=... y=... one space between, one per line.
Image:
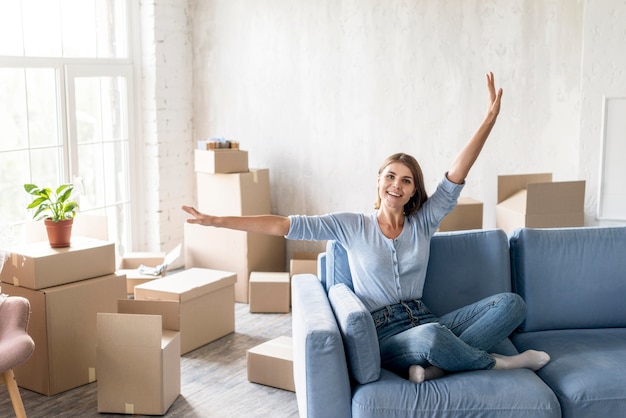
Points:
x=319 y=361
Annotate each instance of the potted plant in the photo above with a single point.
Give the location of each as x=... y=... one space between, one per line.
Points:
x=57 y=208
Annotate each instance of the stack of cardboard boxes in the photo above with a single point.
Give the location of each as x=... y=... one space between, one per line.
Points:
x=67 y=288
x=225 y=186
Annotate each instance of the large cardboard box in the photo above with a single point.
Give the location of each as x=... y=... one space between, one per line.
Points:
x=468 y=214
x=271 y=364
x=142 y=267
x=236 y=251
x=269 y=292
x=38 y=266
x=303 y=263
x=535 y=201
x=63 y=326
x=138 y=364
x=234 y=194
x=203 y=309
x=221 y=161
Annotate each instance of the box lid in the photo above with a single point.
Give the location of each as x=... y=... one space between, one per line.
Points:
x=185 y=285
x=280 y=347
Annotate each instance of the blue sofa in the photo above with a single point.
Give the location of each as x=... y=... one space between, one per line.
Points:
x=573 y=281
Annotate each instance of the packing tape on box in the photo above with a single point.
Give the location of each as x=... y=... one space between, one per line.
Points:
x=92 y=374
x=129 y=408
x=255 y=176
x=16 y=282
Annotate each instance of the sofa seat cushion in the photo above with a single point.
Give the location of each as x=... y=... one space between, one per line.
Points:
x=587 y=370
x=358 y=332
x=486 y=393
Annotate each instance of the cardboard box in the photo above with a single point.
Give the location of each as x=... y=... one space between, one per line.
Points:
x=63 y=326
x=38 y=266
x=203 y=309
x=138 y=364
x=236 y=251
x=303 y=263
x=142 y=267
x=534 y=201
x=468 y=214
x=271 y=364
x=269 y=292
x=237 y=194
x=221 y=161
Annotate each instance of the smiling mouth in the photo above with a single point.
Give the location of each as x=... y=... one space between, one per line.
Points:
x=392 y=194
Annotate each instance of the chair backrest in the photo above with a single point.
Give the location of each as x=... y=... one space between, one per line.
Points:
x=14 y=315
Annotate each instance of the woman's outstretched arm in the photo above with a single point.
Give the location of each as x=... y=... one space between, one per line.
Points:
x=468 y=155
x=262 y=224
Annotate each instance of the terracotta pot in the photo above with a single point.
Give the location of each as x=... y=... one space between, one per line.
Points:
x=59 y=233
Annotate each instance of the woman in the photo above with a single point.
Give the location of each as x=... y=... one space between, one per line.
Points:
x=388 y=254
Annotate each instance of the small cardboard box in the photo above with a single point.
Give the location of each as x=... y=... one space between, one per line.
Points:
x=468 y=214
x=271 y=364
x=269 y=292
x=235 y=194
x=138 y=364
x=142 y=267
x=204 y=308
x=221 y=161
x=535 y=201
x=237 y=251
x=38 y=266
x=63 y=326
x=303 y=263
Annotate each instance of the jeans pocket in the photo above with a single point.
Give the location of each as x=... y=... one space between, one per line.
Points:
x=381 y=318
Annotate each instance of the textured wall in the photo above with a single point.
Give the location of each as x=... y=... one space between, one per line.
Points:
x=321 y=91
x=603 y=75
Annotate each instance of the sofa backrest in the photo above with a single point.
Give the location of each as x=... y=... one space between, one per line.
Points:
x=464 y=267
x=337 y=269
x=570 y=277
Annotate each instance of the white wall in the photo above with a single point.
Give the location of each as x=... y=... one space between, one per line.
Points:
x=321 y=91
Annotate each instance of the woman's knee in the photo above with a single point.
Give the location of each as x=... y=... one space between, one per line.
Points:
x=514 y=304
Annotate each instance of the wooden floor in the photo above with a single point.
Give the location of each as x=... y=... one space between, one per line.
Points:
x=214 y=380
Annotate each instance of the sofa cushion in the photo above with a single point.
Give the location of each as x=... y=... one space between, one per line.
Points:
x=465 y=267
x=484 y=393
x=570 y=277
x=337 y=266
x=359 y=333
x=587 y=371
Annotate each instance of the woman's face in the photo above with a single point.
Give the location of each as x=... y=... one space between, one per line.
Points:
x=396 y=186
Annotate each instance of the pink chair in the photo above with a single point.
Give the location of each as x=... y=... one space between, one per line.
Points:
x=16 y=346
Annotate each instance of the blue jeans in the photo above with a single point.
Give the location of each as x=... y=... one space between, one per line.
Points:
x=408 y=333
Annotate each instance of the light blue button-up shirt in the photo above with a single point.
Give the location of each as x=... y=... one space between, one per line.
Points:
x=384 y=271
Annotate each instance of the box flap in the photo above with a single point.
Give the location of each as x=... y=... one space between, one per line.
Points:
x=185 y=285
x=558 y=197
x=129 y=330
x=169 y=310
x=516 y=202
x=511 y=184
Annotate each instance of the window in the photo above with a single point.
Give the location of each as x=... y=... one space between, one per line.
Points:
x=65 y=108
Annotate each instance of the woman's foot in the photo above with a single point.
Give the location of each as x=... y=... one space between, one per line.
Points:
x=529 y=359
x=418 y=374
